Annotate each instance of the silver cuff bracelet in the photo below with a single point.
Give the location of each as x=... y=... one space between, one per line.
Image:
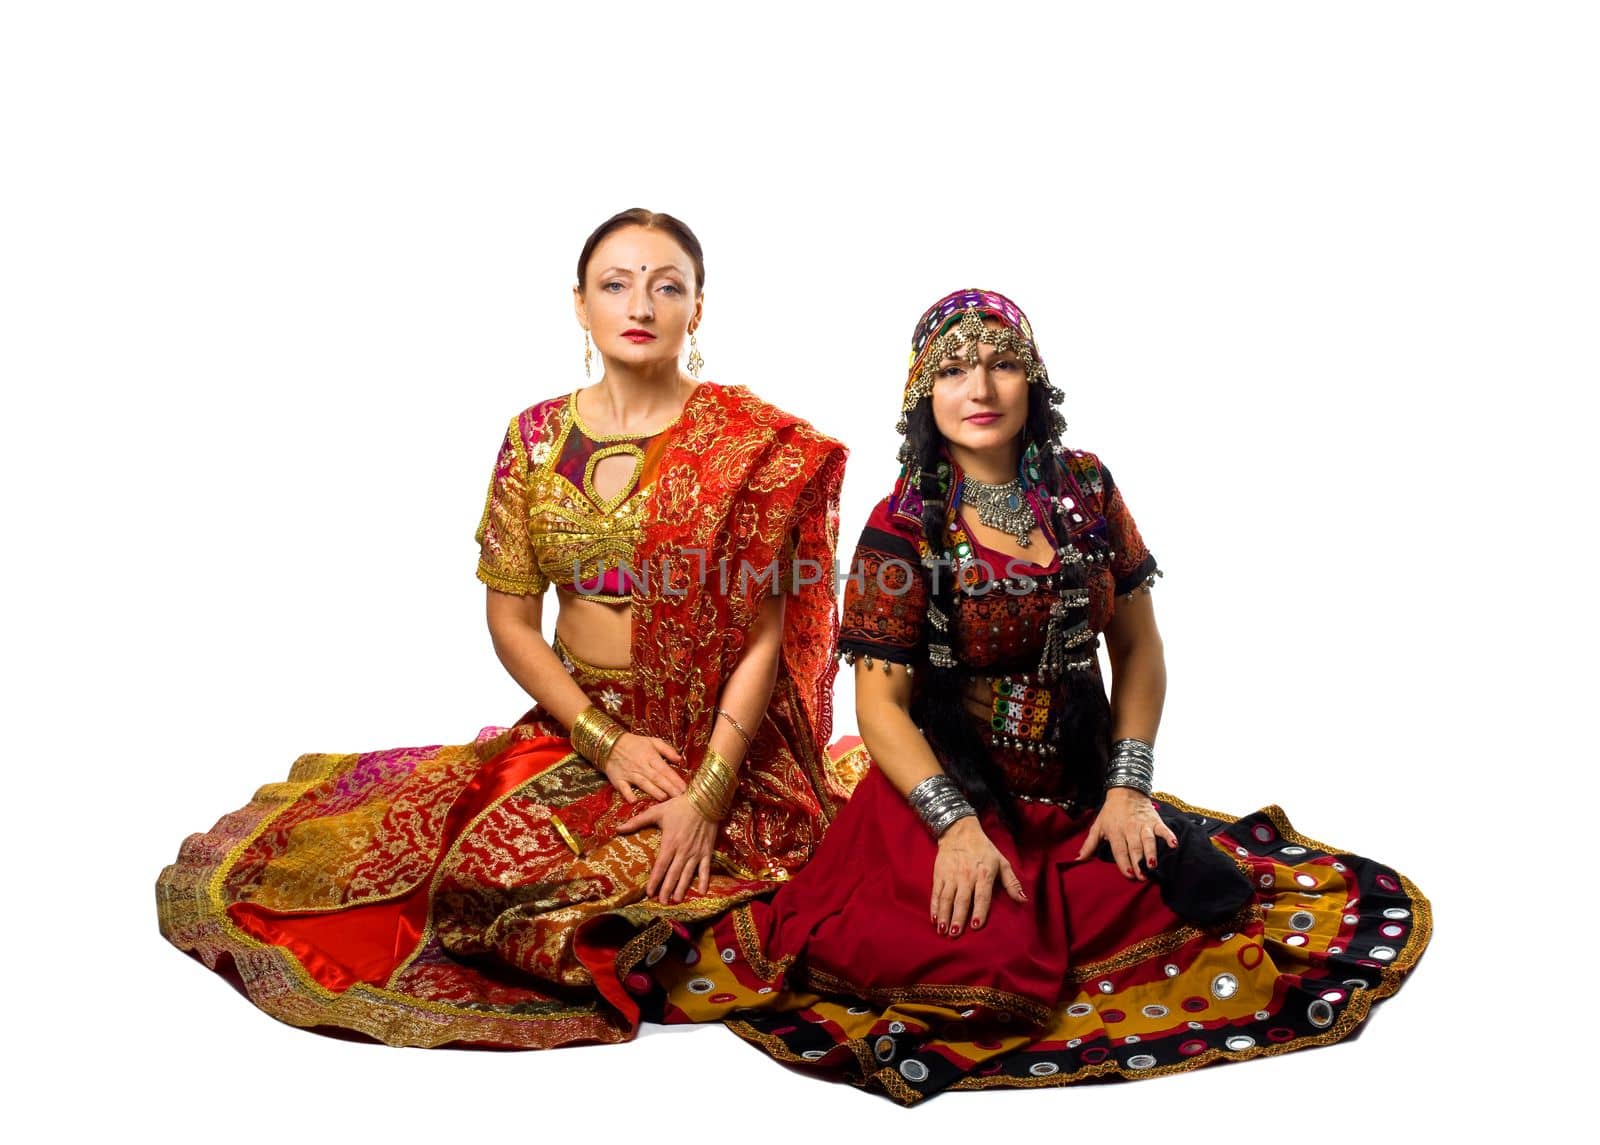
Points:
x=938 y=802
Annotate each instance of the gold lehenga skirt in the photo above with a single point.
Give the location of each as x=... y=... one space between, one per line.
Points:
x=473 y=893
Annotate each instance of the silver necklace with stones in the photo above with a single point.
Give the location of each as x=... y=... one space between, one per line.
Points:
x=1000 y=506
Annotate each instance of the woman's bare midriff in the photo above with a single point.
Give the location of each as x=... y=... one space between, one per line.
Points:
x=595 y=632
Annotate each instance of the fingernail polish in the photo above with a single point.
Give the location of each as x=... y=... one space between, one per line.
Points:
x=941 y=928
x=976 y=923
x=954 y=931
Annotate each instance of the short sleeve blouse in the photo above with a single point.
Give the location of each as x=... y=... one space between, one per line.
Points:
x=887 y=584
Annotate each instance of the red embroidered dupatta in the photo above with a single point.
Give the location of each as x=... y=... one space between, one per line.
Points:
x=743 y=485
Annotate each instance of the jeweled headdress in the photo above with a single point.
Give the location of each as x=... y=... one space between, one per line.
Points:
x=953 y=327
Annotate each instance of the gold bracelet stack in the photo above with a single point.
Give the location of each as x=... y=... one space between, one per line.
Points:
x=712 y=786
x=594 y=734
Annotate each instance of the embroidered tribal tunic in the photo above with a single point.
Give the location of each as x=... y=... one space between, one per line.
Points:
x=479 y=893
x=1096 y=975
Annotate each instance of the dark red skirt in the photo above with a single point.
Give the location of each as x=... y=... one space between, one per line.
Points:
x=842 y=973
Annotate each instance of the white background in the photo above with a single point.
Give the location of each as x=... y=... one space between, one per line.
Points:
x=1320 y=284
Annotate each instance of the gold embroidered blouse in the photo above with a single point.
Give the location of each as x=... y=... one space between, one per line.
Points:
x=544 y=522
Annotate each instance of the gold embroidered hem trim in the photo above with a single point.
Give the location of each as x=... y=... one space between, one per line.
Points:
x=744 y=929
x=644 y=909
x=581 y=667
x=1159 y=944
x=889 y=1078
x=314 y=767
x=640 y=945
x=953 y=997
x=598 y=597
x=516 y=586
x=1149 y=948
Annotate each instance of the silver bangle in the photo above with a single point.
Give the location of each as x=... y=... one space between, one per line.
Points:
x=938 y=802
x=1132 y=765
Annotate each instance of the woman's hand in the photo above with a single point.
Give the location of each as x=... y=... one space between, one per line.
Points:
x=639 y=764
x=686 y=841
x=1129 y=823
x=963 y=877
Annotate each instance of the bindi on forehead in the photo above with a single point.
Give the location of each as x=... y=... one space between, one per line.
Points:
x=663 y=268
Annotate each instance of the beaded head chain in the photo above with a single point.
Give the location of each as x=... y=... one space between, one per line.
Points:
x=953 y=327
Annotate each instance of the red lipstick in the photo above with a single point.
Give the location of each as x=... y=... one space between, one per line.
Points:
x=638 y=336
x=984 y=418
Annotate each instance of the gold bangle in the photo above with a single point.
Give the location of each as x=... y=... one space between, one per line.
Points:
x=602 y=749
x=583 y=732
x=591 y=729
x=699 y=801
x=710 y=806
x=717 y=765
x=717 y=785
x=744 y=735
x=713 y=785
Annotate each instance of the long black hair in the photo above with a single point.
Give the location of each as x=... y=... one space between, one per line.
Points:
x=1082 y=727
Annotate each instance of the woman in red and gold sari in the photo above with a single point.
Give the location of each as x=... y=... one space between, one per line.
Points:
x=672 y=764
x=1002 y=903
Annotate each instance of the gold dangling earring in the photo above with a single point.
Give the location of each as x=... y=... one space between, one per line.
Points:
x=588 y=356
x=696 y=362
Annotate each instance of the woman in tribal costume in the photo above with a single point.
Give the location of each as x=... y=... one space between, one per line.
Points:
x=1002 y=903
x=671 y=766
